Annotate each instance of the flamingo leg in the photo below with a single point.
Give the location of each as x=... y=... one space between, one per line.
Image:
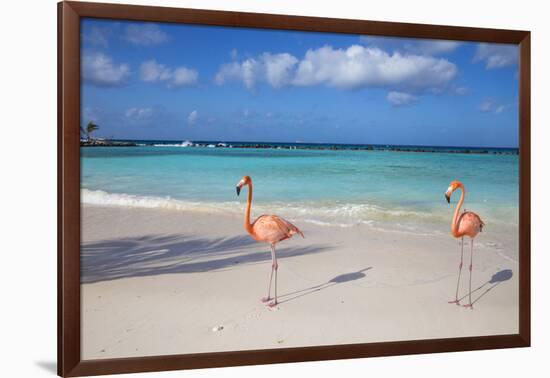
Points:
x=274 y=267
x=471 y=265
x=268 y=297
x=457 y=301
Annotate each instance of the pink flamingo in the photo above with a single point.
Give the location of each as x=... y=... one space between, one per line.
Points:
x=466 y=224
x=267 y=229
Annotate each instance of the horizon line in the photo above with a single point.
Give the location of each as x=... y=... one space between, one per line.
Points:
x=314 y=143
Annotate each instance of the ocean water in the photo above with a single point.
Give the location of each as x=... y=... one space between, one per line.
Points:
x=391 y=190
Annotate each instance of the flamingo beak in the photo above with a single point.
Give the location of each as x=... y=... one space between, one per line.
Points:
x=448 y=197
x=238 y=188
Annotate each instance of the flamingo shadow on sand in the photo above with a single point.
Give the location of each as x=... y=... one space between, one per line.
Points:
x=496 y=279
x=342 y=278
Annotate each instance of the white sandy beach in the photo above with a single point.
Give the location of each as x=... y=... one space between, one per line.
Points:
x=157 y=282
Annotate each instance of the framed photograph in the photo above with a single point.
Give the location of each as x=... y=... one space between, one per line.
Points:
x=390 y=164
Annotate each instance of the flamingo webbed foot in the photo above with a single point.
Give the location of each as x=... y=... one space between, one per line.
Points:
x=471 y=306
x=265 y=299
x=456 y=301
x=272 y=304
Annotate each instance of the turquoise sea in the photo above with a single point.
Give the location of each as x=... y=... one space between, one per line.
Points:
x=381 y=187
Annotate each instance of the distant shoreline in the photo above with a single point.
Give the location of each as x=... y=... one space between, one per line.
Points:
x=302 y=146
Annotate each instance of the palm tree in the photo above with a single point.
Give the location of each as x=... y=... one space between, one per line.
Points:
x=90 y=128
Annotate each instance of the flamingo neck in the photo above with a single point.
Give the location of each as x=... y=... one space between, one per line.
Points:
x=454 y=224
x=247 y=225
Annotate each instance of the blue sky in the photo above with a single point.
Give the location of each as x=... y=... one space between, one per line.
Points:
x=183 y=82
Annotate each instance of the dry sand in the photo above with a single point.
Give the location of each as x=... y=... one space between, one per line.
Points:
x=157 y=282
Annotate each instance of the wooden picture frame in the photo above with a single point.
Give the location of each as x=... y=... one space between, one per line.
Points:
x=69 y=336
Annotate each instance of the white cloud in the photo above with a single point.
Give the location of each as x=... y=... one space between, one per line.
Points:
x=138 y=114
x=460 y=91
x=413 y=46
x=400 y=98
x=238 y=71
x=145 y=116
x=487 y=105
x=275 y=69
x=100 y=70
x=435 y=47
x=144 y=34
x=351 y=68
x=183 y=76
x=359 y=66
x=192 y=117
x=496 y=55
x=151 y=71
x=490 y=105
x=278 y=68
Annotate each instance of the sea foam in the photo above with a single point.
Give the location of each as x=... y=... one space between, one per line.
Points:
x=317 y=213
x=102 y=198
